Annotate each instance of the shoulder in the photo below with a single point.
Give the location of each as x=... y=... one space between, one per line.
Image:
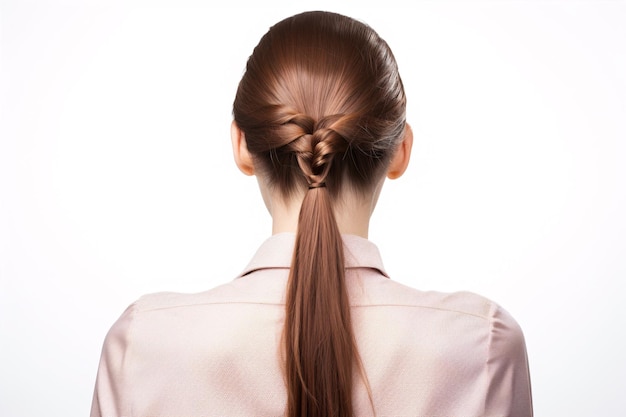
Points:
x=463 y=303
x=172 y=300
x=457 y=319
x=174 y=318
x=503 y=357
x=157 y=313
x=505 y=336
x=462 y=337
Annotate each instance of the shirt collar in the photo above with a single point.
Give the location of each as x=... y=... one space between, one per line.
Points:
x=277 y=251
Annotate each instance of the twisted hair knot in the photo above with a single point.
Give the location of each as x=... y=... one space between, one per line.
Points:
x=315 y=146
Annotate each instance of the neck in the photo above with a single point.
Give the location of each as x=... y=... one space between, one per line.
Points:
x=352 y=210
x=351 y=218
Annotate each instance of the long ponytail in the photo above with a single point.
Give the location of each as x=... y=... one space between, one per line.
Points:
x=319 y=341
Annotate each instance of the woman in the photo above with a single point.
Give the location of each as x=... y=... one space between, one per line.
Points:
x=313 y=326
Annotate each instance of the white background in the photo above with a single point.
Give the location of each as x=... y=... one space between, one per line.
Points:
x=116 y=176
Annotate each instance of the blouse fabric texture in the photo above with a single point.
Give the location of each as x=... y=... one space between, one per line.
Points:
x=217 y=353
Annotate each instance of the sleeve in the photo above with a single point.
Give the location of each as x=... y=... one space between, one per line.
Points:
x=508 y=391
x=111 y=396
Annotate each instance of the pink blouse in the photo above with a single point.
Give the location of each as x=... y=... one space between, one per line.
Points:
x=216 y=353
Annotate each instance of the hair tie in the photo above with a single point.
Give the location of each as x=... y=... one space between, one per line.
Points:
x=317 y=185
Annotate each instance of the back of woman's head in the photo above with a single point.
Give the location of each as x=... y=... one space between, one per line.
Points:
x=321 y=100
x=322 y=109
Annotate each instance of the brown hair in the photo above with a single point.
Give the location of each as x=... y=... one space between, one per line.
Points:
x=322 y=106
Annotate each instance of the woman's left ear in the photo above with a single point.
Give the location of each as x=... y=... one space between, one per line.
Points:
x=243 y=159
x=400 y=160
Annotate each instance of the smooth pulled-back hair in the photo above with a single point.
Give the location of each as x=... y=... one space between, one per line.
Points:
x=322 y=108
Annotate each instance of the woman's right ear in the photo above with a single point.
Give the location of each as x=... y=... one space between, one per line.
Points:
x=243 y=159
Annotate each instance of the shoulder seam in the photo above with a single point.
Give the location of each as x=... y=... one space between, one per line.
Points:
x=492 y=312
x=131 y=333
x=449 y=310
x=167 y=307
